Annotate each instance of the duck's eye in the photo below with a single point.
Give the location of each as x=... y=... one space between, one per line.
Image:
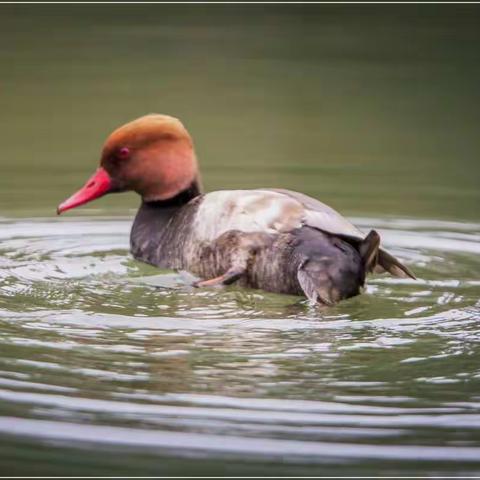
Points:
x=124 y=152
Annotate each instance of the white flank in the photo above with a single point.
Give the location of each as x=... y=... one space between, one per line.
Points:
x=262 y=211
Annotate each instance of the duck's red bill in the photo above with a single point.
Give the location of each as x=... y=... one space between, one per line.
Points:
x=97 y=185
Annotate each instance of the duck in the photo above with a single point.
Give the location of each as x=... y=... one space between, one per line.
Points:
x=271 y=239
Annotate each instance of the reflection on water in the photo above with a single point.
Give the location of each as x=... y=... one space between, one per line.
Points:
x=98 y=349
x=111 y=367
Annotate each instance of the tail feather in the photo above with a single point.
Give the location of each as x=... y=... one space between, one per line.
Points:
x=383 y=261
x=389 y=263
x=368 y=250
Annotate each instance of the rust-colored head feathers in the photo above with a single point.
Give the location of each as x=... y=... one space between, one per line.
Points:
x=152 y=155
x=146 y=130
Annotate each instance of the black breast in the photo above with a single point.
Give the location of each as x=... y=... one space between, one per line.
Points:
x=161 y=227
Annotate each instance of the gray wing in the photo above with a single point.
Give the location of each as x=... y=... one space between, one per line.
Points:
x=323 y=217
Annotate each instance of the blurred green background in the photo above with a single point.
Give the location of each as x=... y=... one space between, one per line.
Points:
x=374 y=109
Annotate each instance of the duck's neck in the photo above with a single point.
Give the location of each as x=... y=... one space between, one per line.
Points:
x=179 y=200
x=152 y=219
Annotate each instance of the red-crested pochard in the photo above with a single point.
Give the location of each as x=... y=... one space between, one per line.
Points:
x=273 y=239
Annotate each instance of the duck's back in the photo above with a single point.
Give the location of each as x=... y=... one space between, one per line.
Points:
x=267 y=210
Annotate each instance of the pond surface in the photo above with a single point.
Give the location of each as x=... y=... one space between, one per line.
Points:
x=112 y=367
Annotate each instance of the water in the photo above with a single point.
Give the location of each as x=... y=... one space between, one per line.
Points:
x=111 y=367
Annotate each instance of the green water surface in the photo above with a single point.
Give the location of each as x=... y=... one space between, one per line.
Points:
x=111 y=367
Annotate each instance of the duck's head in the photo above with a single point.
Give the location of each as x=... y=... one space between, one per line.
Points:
x=152 y=155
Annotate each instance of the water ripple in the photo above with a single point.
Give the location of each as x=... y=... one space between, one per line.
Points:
x=97 y=349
